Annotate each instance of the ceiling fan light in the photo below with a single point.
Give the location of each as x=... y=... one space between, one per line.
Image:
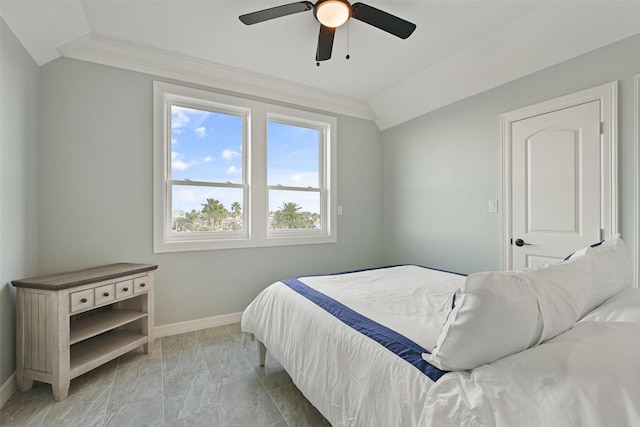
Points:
x=333 y=13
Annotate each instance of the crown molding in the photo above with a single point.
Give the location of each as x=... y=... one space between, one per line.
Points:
x=104 y=50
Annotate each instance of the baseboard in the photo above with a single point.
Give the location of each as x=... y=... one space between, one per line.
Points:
x=7 y=390
x=196 y=325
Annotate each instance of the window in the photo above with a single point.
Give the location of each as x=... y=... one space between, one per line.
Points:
x=231 y=172
x=292 y=176
x=207 y=177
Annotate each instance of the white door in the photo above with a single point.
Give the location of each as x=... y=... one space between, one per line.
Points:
x=556 y=184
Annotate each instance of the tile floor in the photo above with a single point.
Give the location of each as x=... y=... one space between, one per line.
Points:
x=203 y=378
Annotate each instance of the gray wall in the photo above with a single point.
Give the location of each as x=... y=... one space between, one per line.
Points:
x=95 y=197
x=441 y=169
x=18 y=192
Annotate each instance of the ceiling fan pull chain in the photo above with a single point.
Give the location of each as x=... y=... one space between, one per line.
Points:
x=348 y=27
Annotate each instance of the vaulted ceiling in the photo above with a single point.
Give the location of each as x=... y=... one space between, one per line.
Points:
x=458 y=49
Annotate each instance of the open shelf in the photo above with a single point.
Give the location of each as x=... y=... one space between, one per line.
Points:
x=93 y=352
x=96 y=324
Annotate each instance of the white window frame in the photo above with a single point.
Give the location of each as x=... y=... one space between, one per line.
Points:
x=255 y=209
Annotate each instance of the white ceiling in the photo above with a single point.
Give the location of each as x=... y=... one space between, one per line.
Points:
x=458 y=49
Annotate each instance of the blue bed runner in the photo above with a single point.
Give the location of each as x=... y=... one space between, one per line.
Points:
x=402 y=346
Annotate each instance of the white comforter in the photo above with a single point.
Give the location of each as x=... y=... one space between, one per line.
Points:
x=587 y=376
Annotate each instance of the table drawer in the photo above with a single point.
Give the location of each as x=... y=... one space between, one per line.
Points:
x=140 y=284
x=124 y=289
x=81 y=300
x=105 y=294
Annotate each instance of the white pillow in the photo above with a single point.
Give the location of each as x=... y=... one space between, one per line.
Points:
x=502 y=313
x=622 y=307
x=611 y=270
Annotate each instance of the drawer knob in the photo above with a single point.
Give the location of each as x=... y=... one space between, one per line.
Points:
x=142 y=285
x=125 y=289
x=83 y=300
x=106 y=294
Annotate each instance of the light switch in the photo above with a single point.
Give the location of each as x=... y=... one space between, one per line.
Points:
x=339 y=209
x=493 y=206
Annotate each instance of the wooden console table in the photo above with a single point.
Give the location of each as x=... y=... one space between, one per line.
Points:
x=71 y=323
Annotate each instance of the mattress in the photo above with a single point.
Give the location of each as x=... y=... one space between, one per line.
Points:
x=589 y=375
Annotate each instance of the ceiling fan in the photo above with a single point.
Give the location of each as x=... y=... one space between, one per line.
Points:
x=332 y=14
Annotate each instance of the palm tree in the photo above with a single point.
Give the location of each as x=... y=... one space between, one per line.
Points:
x=189 y=222
x=236 y=209
x=214 y=213
x=288 y=216
x=277 y=220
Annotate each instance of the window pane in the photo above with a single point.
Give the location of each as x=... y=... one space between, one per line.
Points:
x=205 y=146
x=206 y=209
x=294 y=209
x=292 y=155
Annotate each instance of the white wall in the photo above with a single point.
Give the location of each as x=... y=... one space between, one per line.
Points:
x=18 y=192
x=95 y=194
x=441 y=169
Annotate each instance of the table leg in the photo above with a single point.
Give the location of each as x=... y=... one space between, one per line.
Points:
x=61 y=390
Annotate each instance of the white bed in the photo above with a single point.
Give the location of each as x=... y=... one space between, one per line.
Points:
x=586 y=373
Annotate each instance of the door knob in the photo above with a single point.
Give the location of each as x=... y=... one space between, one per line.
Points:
x=520 y=242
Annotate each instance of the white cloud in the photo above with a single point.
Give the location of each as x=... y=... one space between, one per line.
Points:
x=201 y=131
x=179 y=117
x=207 y=159
x=229 y=154
x=177 y=163
x=232 y=170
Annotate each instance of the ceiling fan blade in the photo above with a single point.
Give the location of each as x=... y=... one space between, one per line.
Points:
x=275 y=12
x=325 y=43
x=383 y=20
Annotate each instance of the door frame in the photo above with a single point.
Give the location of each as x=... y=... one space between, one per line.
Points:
x=607 y=95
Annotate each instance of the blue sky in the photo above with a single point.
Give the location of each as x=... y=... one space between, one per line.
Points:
x=207 y=146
